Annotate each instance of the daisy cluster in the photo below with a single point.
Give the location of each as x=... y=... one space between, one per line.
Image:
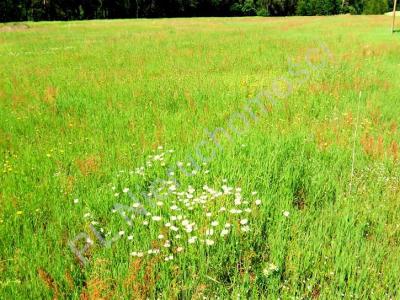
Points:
x=176 y=216
x=189 y=216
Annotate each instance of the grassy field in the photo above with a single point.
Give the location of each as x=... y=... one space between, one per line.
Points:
x=139 y=140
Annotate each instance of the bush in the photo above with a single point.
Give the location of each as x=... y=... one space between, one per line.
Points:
x=352 y=10
x=244 y=8
x=375 y=7
x=318 y=7
x=248 y=8
x=262 y=12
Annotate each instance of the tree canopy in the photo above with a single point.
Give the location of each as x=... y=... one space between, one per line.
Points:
x=37 y=10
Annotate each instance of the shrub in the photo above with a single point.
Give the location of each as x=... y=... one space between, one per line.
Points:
x=375 y=7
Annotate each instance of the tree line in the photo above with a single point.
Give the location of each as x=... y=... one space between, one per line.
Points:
x=38 y=10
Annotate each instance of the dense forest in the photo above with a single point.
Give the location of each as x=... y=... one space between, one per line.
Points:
x=37 y=10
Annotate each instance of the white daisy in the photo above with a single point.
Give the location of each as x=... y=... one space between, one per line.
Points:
x=170 y=257
x=210 y=232
x=243 y=221
x=214 y=223
x=192 y=239
x=245 y=228
x=224 y=232
x=209 y=242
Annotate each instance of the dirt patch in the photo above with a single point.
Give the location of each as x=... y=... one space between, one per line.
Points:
x=14 y=27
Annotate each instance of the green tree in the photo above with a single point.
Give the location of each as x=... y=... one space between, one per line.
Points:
x=318 y=7
x=375 y=7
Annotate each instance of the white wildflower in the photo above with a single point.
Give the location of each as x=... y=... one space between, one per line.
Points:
x=244 y=221
x=270 y=269
x=174 y=228
x=245 y=228
x=224 y=232
x=209 y=242
x=214 y=223
x=210 y=232
x=192 y=239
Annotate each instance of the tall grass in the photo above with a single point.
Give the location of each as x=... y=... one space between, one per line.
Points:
x=83 y=104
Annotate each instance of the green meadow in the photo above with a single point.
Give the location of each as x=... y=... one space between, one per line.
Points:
x=205 y=158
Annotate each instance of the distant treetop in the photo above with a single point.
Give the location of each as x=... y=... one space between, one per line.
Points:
x=38 y=10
